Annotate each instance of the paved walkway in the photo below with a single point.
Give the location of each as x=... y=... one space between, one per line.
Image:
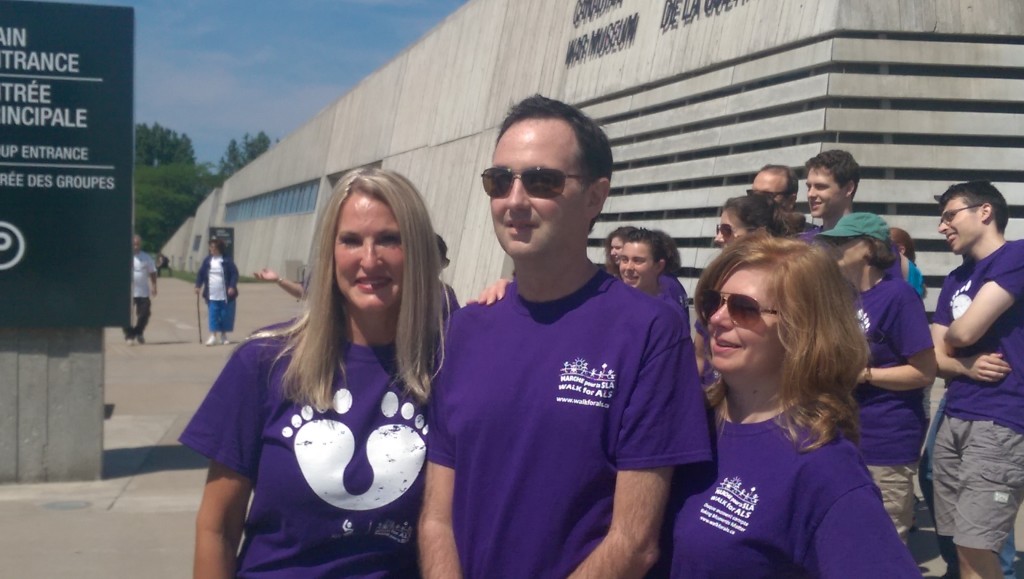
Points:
x=138 y=521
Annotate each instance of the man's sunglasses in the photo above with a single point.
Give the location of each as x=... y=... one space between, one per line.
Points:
x=743 y=310
x=539 y=182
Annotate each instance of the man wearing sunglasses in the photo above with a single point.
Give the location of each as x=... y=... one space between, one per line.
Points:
x=561 y=410
x=978 y=332
x=778 y=183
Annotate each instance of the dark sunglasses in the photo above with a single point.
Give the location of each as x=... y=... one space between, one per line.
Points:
x=948 y=216
x=539 y=182
x=743 y=310
x=727 y=230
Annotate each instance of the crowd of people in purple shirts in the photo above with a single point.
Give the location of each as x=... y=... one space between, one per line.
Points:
x=573 y=422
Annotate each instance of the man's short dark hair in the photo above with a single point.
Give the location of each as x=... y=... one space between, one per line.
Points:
x=976 y=193
x=792 y=181
x=219 y=244
x=839 y=163
x=595 y=152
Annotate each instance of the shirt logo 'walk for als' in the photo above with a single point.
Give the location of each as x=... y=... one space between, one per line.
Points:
x=730 y=508
x=580 y=384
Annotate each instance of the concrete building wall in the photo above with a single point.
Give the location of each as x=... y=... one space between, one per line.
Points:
x=179 y=246
x=924 y=93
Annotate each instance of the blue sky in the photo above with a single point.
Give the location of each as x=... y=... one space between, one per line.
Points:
x=217 y=69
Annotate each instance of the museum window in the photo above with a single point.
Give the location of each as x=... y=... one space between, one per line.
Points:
x=292 y=200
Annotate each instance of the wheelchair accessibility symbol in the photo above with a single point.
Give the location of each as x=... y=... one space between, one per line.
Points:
x=12 y=246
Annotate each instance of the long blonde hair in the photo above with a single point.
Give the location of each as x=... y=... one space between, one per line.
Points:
x=825 y=348
x=316 y=339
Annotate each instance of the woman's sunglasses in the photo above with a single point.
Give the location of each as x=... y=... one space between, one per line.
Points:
x=727 y=230
x=539 y=182
x=743 y=310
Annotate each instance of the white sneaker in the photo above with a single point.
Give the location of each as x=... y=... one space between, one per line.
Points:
x=129 y=341
x=212 y=340
x=225 y=341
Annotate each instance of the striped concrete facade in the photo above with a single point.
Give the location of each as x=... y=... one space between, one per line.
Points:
x=696 y=95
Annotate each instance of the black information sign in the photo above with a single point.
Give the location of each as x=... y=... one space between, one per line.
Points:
x=66 y=154
x=227 y=235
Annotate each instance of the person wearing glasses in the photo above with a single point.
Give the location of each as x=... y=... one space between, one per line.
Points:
x=778 y=183
x=890 y=389
x=561 y=410
x=743 y=215
x=978 y=332
x=789 y=495
x=321 y=421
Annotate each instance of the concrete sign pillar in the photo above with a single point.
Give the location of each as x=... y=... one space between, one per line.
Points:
x=66 y=158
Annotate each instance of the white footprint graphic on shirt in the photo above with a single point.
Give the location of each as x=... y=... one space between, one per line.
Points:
x=961 y=301
x=324 y=448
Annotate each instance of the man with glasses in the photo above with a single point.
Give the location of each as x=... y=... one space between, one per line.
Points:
x=778 y=183
x=560 y=411
x=978 y=331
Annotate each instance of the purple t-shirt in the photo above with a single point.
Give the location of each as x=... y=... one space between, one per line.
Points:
x=674 y=293
x=1001 y=402
x=708 y=375
x=539 y=405
x=809 y=233
x=893 y=424
x=336 y=493
x=771 y=511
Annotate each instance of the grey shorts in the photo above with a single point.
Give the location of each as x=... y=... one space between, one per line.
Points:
x=979 y=482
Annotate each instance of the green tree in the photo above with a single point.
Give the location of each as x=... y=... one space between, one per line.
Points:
x=156 y=146
x=167 y=195
x=238 y=155
x=169 y=185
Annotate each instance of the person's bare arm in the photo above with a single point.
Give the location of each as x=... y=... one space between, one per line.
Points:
x=293 y=289
x=918 y=372
x=219 y=522
x=492 y=293
x=152 y=284
x=630 y=548
x=439 y=558
x=989 y=303
x=989 y=367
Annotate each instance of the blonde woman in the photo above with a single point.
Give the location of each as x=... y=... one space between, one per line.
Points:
x=321 y=421
x=789 y=495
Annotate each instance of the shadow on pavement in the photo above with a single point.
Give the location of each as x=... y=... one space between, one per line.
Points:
x=124 y=462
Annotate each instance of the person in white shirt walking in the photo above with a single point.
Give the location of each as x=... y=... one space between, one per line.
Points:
x=143 y=288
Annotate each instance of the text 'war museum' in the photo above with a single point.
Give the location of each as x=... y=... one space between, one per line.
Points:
x=695 y=95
